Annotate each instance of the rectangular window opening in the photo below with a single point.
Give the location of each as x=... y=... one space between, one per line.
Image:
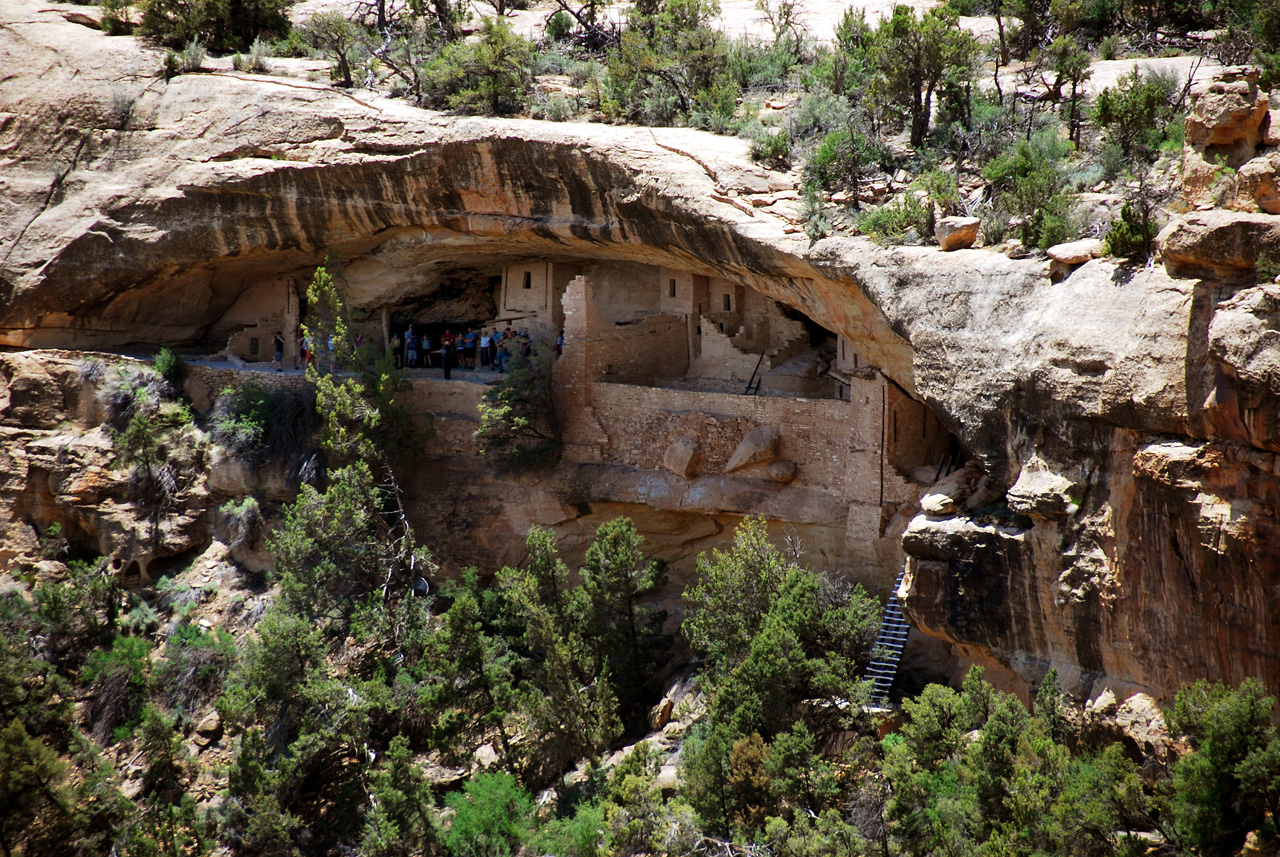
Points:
x=253 y=345
x=673 y=288
x=728 y=303
x=528 y=279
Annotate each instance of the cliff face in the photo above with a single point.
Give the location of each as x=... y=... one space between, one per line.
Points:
x=1121 y=523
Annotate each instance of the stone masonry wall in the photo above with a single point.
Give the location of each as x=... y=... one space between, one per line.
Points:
x=834 y=443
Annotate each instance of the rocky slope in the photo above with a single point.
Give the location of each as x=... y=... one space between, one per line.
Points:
x=1121 y=520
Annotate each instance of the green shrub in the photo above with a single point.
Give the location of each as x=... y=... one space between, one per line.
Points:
x=890 y=223
x=842 y=159
x=221 y=25
x=493 y=817
x=820 y=112
x=1032 y=188
x=1130 y=234
x=578 y=835
x=1138 y=111
x=813 y=212
x=772 y=148
x=759 y=66
x=192 y=57
x=489 y=75
x=559 y=26
x=171 y=367
x=196 y=662
x=292 y=45
x=266 y=423
x=941 y=189
x=120 y=678
x=553 y=107
x=1109 y=47
x=254 y=62
x=994 y=224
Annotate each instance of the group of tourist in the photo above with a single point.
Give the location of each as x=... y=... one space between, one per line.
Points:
x=474 y=348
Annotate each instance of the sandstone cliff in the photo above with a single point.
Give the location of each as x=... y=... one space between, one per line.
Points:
x=1123 y=525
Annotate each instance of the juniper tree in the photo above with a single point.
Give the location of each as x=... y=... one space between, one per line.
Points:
x=569 y=699
x=626 y=633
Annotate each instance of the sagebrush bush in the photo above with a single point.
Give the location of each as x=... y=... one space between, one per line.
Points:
x=890 y=223
x=772 y=148
x=255 y=61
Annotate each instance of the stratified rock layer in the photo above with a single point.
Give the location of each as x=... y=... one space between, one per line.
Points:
x=1133 y=413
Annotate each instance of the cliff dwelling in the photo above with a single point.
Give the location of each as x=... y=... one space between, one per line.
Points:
x=886 y=436
x=686 y=400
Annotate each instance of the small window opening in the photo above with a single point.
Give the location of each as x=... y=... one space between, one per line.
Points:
x=528 y=279
x=895 y=426
x=253 y=345
x=673 y=288
x=728 y=303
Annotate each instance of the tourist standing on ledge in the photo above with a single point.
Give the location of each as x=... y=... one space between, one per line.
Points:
x=470 y=341
x=411 y=349
x=278 y=342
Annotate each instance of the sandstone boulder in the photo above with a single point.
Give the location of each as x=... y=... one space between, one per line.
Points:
x=1256 y=185
x=660 y=714
x=198 y=392
x=760 y=444
x=946 y=495
x=683 y=457
x=1227 y=110
x=1076 y=252
x=211 y=724
x=782 y=470
x=485 y=756
x=1040 y=494
x=1138 y=722
x=29 y=396
x=1217 y=244
x=1065 y=258
x=668 y=779
x=957 y=233
x=1015 y=249
x=1244 y=340
x=1228 y=119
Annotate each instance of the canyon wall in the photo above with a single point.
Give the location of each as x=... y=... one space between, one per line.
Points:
x=1118 y=522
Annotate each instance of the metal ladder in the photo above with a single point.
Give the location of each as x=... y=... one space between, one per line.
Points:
x=894 y=628
x=753 y=386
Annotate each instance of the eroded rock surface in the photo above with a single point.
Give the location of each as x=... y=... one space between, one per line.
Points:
x=1123 y=420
